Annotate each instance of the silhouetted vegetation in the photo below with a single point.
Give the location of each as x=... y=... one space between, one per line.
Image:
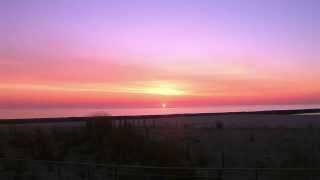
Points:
x=97 y=142
x=100 y=141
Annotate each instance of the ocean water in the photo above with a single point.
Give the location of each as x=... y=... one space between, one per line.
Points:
x=76 y=112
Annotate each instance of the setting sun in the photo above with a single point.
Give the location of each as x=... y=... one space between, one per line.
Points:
x=164 y=105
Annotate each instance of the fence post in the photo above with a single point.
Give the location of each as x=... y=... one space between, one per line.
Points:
x=89 y=172
x=59 y=171
x=256 y=174
x=115 y=173
x=220 y=174
x=223 y=159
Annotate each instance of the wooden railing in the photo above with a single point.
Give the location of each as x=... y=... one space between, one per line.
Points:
x=40 y=169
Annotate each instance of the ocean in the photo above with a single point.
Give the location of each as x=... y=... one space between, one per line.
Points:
x=76 y=112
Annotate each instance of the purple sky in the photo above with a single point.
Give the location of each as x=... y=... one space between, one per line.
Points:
x=184 y=52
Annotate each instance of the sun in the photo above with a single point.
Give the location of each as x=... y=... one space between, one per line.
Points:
x=163 y=105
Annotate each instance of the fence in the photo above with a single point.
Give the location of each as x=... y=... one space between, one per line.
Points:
x=22 y=169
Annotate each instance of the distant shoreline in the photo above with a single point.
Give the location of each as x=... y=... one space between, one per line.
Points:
x=88 y=118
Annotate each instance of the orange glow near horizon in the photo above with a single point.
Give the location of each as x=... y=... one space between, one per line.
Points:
x=150 y=93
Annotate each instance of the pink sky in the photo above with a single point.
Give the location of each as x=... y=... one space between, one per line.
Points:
x=119 y=54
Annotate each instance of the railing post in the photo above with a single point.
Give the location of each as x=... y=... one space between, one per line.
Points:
x=59 y=172
x=115 y=173
x=223 y=159
x=89 y=172
x=256 y=174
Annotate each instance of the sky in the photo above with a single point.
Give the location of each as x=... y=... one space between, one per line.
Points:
x=142 y=53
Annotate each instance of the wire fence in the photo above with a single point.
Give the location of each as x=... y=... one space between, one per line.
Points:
x=23 y=169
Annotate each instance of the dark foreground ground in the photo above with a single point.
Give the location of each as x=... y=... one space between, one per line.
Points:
x=258 y=145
